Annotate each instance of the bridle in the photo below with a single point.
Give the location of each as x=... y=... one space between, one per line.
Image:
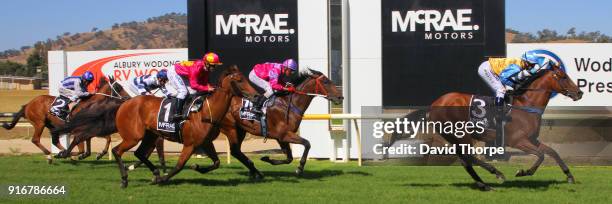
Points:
x=113 y=91
x=320 y=90
x=558 y=79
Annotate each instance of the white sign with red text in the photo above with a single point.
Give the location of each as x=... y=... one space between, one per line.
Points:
x=122 y=65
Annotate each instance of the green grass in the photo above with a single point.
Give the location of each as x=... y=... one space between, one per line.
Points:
x=323 y=182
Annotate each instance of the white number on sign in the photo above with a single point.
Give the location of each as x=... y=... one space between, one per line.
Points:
x=167 y=110
x=59 y=104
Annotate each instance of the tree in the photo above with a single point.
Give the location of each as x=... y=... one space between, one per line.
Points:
x=571 y=33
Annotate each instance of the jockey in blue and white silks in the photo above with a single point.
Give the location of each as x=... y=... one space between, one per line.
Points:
x=71 y=89
x=75 y=87
x=144 y=84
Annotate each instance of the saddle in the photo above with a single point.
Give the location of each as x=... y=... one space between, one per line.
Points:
x=60 y=107
x=165 y=121
x=247 y=112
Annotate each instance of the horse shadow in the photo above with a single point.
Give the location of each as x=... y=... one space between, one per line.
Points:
x=269 y=176
x=539 y=185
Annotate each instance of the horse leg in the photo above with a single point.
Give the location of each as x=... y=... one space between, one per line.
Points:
x=235 y=137
x=286 y=148
x=105 y=151
x=291 y=137
x=143 y=152
x=490 y=168
x=118 y=151
x=159 y=146
x=551 y=152
x=183 y=158
x=209 y=150
x=87 y=150
x=529 y=148
x=67 y=152
x=466 y=161
x=149 y=152
x=38 y=129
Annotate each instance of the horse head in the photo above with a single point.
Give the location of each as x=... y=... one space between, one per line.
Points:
x=234 y=80
x=557 y=80
x=111 y=88
x=315 y=82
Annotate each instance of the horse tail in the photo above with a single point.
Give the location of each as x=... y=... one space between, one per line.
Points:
x=92 y=120
x=16 y=118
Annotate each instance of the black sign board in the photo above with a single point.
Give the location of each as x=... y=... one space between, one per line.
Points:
x=432 y=47
x=243 y=32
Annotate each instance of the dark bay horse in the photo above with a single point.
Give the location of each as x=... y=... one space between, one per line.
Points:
x=283 y=121
x=136 y=122
x=519 y=131
x=37 y=113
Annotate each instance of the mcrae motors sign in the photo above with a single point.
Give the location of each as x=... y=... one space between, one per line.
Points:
x=433 y=21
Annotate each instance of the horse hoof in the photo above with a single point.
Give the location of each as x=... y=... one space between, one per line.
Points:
x=571 y=180
x=266 y=159
x=521 y=173
x=501 y=178
x=124 y=184
x=256 y=176
x=194 y=167
x=299 y=172
x=156 y=180
x=83 y=156
x=483 y=186
x=100 y=155
x=49 y=159
x=131 y=168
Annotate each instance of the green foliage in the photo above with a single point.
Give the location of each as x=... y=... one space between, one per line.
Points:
x=547 y=35
x=10 y=68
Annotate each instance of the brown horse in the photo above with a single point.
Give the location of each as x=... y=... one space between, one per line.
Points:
x=520 y=131
x=37 y=113
x=283 y=121
x=98 y=119
x=136 y=121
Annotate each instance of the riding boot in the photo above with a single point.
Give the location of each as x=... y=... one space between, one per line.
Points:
x=499 y=128
x=178 y=116
x=258 y=104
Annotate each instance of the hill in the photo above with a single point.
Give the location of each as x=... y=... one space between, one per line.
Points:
x=166 y=31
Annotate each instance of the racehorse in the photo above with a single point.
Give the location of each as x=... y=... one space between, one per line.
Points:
x=37 y=113
x=136 y=121
x=98 y=119
x=283 y=119
x=520 y=132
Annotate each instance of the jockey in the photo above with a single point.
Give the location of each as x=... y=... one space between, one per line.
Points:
x=144 y=84
x=503 y=74
x=195 y=75
x=272 y=77
x=73 y=88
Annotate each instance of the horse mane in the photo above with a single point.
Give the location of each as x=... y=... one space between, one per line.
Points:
x=305 y=74
x=522 y=87
x=101 y=82
x=232 y=69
